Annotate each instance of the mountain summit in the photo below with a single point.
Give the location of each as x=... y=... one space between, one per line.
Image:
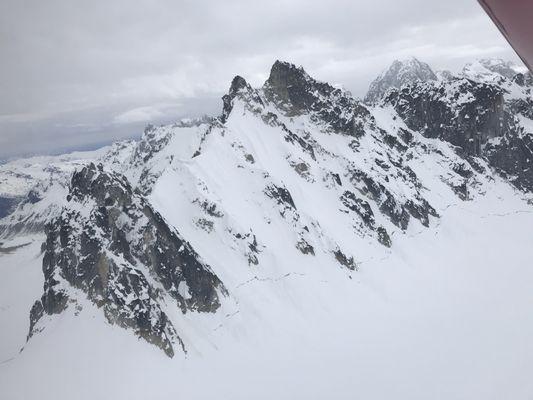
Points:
x=292 y=86
x=400 y=73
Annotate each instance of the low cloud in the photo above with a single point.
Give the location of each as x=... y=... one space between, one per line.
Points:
x=139 y=114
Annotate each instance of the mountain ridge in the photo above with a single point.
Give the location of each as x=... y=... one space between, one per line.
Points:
x=293 y=173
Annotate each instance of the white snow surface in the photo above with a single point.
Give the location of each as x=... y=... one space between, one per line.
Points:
x=497 y=72
x=19 y=176
x=445 y=315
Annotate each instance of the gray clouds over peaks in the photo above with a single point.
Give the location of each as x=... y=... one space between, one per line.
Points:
x=80 y=73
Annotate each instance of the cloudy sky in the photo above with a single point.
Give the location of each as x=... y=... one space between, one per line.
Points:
x=77 y=74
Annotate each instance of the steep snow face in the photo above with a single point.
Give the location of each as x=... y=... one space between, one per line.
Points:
x=158 y=148
x=399 y=74
x=297 y=230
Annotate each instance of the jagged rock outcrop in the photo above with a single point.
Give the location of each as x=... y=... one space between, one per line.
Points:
x=294 y=92
x=465 y=113
x=479 y=117
x=523 y=79
x=512 y=156
x=109 y=243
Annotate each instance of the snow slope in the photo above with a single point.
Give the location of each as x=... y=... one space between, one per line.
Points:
x=408 y=325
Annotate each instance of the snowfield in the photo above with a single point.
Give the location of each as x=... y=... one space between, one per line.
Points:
x=445 y=315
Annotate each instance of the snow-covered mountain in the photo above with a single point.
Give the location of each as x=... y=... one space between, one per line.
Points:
x=22 y=179
x=400 y=73
x=492 y=68
x=300 y=221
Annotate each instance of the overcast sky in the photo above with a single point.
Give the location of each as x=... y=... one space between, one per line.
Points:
x=77 y=74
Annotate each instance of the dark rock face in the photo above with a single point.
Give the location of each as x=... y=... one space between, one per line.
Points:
x=109 y=243
x=294 y=92
x=513 y=158
x=363 y=209
x=291 y=86
x=282 y=197
x=525 y=79
x=305 y=247
x=344 y=260
x=383 y=237
x=474 y=117
x=397 y=210
x=521 y=106
x=359 y=206
x=465 y=113
x=33 y=197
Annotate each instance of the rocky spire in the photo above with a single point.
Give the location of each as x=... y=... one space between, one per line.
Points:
x=292 y=89
x=238 y=88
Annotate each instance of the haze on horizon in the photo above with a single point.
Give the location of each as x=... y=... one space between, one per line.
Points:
x=80 y=75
